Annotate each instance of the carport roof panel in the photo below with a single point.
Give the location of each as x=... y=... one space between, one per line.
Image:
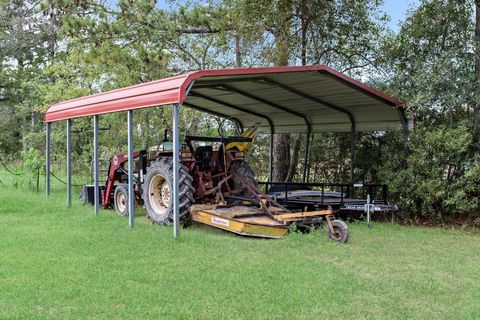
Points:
x=372 y=109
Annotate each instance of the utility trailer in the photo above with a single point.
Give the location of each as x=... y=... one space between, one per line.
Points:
x=348 y=199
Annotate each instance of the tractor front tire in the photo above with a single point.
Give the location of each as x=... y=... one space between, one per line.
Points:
x=244 y=170
x=158 y=192
x=340 y=231
x=120 y=200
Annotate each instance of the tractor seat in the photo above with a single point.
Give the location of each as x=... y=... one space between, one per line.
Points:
x=203 y=156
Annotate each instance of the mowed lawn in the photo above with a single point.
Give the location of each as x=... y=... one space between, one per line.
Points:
x=58 y=263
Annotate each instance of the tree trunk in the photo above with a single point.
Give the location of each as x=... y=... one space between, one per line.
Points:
x=305 y=21
x=281 y=145
x=281 y=157
x=476 y=116
x=282 y=32
x=292 y=169
x=238 y=51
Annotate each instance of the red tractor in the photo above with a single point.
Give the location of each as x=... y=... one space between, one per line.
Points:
x=205 y=176
x=215 y=176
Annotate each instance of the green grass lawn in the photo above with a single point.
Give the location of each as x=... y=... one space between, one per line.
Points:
x=67 y=263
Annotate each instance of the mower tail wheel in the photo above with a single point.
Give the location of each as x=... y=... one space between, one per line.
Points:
x=340 y=231
x=121 y=200
x=158 y=191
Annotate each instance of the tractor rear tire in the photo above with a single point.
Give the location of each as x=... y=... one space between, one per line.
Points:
x=244 y=170
x=120 y=200
x=340 y=231
x=158 y=192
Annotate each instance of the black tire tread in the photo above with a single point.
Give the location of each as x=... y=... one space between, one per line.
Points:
x=344 y=229
x=121 y=188
x=244 y=170
x=186 y=190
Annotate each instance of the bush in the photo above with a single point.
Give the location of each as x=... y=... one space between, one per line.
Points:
x=439 y=181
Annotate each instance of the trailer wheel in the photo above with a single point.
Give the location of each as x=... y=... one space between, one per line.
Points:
x=158 y=192
x=340 y=231
x=244 y=170
x=120 y=200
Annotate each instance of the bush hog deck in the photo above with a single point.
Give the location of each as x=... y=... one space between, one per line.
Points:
x=248 y=221
x=206 y=179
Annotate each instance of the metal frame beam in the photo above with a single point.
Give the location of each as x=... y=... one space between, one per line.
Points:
x=131 y=191
x=271 y=104
x=270 y=159
x=176 y=170
x=212 y=83
x=309 y=97
x=306 y=172
x=229 y=105
x=269 y=120
x=401 y=111
x=353 y=140
x=95 y=165
x=218 y=114
x=69 y=163
x=358 y=88
x=306 y=157
x=328 y=105
x=48 y=129
x=216 y=84
x=279 y=107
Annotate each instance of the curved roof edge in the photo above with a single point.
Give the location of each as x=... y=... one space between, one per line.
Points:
x=174 y=90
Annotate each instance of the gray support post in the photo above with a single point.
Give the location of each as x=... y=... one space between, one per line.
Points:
x=95 y=164
x=47 y=158
x=131 y=191
x=69 y=163
x=353 y=138
x=270 y=164
x=176 y=167
x=307 y=153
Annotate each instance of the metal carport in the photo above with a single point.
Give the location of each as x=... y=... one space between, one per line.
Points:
x=304 y=99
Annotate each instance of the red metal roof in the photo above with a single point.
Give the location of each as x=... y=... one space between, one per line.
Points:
x=173 y=90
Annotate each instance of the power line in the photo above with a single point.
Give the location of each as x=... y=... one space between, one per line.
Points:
x=10 y=171
x=26 y=171
x=60 y=180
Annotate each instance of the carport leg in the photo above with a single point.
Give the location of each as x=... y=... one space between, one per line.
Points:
x=353 y=137
x=176 y=167
x=69 y=163
x=131 y=195
x=47 y=159
x=305 y=162
x=95 y=164
x=270 y=164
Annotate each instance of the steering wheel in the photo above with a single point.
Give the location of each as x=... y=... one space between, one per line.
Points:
x=222 y=131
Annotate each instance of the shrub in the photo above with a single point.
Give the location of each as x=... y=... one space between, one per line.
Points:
x=439 y=181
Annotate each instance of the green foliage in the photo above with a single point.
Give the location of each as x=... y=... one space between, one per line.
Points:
x=439 y=180
x=33 y=160
x=431 y=60
x=430 y=65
